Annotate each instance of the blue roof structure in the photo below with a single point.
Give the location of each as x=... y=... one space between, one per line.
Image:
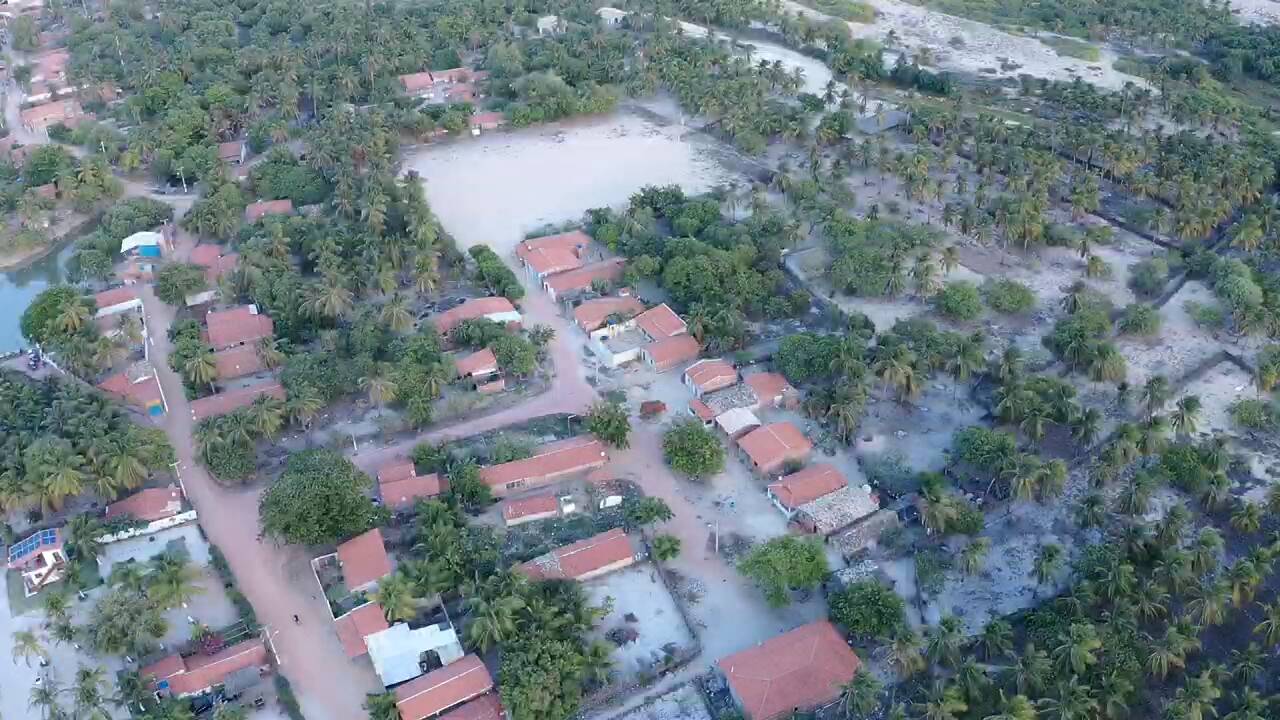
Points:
x=28 y=546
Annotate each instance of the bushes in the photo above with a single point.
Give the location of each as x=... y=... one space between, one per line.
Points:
x=516 y=356
x=175 y=282
x=868 y=609
x=1254 y=414
x=1147 y=278
x=785 y=564
x=691 y=449
x=609 y=422
x=283 y=177
x=495 y=274
x=959 y=300
x=1140 y=319
x=806 y=356
x=1008 y=296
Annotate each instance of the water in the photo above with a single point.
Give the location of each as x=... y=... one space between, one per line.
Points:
x=20 y=286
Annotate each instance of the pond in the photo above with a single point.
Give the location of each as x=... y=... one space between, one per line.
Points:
x=18 y=287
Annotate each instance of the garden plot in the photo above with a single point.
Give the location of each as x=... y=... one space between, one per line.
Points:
x=644 y=626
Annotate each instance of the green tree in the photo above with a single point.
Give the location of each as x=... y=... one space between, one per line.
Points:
x=783 y=565
x=692 y=450
x=665 y=547
x=320 y=498
x=609 y=422
x=647 y=511
x=868 y=609
x=860 y=696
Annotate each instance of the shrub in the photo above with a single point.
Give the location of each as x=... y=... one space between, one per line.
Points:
x=959 y=300
x=515 y=355
x=785 y=564
x=175 y=282
x=466 y=489
x=1206 y=315
x=805 y=356
x=1148 y=277
x=495 y=274
x=609 y=422
x=1008 y=296
x=1253 y=414
x=691 y=449
x=1140 y=319
x=320 y=498
x=867 y=609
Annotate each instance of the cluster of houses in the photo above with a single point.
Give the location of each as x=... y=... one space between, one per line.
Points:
x=237 y=335
x=51 y=99
x=479 y=368
x=456 y=85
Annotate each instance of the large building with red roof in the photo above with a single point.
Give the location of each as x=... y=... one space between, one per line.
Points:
x=545 y=256
x=593 y=314
x=148 y=505
x=443 y=689
x=364 y=560
x=355 y=626
x=400 y=485
x=770 y=447
x=254 y=212
x=182 y=676
x=497 y=309
x=804 y=669
x=239 y=361
x=564 y=284
x=583 y=560
x=709 y=375
x=117 y=300
x=237 y=326
x=549 y=463
x=224 y=402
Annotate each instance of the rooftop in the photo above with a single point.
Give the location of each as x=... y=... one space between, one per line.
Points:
x=803 y=668
x=769 y=387
x=214 y=258
x=557 y=458
x=808 y=485
x=537 y=505
x=364 y=559
x=231 y=150
x=736 y=421
x=189 y=675
x=726 y=399
x=237 y=362
x=256 y=211
x=355 y=626
x=840 y=509
x=582 y=558
x=137 y=388
x=416 y=82
x=660 y=322
x=711 y=374
x=485 y=707
x=864 y=532
x=225 y=402
x=773 y=444
x=673 y=350
x=442 y=689
x=238 y=325
x=148 y=505
x=476 y=363
x=554 y=253
x=583 y=277
x=397 y=650
x=34 y=544
x=50 y=112
x=399 y=484
x=592 y=314
x=115 y=296
x=469 y=310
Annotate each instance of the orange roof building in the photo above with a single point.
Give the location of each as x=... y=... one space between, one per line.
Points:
x=192 y=675
x=364 y=560
x=771 y=389
x=540 y=507
x=592 y=314
x=497 y=309
x=400 y=485
x=671 y=352
x=256 y=211
x=237 y=362
x=442 y=689
x=239 y=325
x=416 y=83
x=481 y=363
x=224 y=402
x=581 y=279
x=485 y=707
x=553 y=253
x=232 y=152
x=799 y=670
x=117 y=300
x=771 y=446
x=550 y=463
x=583 y=560
x=661 y=322
x=39 y=117
x=355 y=626
x=141 y=391
x=148 y=505
x=709 y=375
x=807 y=485
x=214 y=260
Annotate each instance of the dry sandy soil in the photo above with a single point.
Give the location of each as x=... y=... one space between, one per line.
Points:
x=980 y=45
x=638 y=592
x=1257 y=12
x=683 y=703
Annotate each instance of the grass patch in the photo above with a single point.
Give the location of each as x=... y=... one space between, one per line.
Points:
x=850 y=10
x=1072 y=48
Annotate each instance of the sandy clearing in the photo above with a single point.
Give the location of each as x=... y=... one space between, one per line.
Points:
x=1260 y=12
x=917 y=27
x=638 y=592
x=1181 y=344
x=1218 y=389
x=683 y=703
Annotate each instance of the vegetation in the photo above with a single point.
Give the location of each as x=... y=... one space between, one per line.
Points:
x=959 y=300
x=868 y=609
x=319 y=499
x=1008 y=296
x=784 y=565
x=692 y=450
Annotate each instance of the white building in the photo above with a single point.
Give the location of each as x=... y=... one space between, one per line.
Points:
x=399 y=653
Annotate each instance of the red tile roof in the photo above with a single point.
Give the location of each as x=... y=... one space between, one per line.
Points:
x=41 y=116
x=470 y=310
x=493 y=386
x=225 y=402
x=416 y=82
x=238 y=325
x=591 y=314
x=538 y=505
x=139 y=394
x=485 y=707
x=552 y=460
x=443 y=688
x=452 y=75
x=709 y=375
x=214 y=260
x=399 y=485
x=48 y=191
x=583 y=277
x=769 y=387
x=231 y=150
x=669 y=352
x=481 y=362
x=148 y=505
x=581 y=559
x=702 y=410
x=358 y=624
x=237 y=362
x=660 y=322
x=487 y=120
x=364 y=559
x=769 y=446
x=808 y=485
x=53 y=62
x=115 y=296
x=803 y=669
x=193 y=674
x=256 y=211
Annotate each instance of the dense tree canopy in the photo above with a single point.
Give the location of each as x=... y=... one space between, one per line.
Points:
x=320 y=498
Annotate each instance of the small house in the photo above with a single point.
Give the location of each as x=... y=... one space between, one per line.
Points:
x=709 y=375
x=443 y=689
x=804 y=669
x=770 y=447
x=364 y=561
x=40 y=558
x=583 y=560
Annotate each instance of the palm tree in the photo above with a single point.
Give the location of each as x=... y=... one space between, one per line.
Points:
x=1269 y=628
x=269 y=353
x=88 y=692
x=905 y=655
x=996 y=640
x=1209 y=602
x=1092 y=510
x=395 y=595
x=966 y=360
x=1031 y=670
x=950 y=259
x=26 y=645
x=1018 y=707
x=173 y=583
x=974 y=555
x=1048 y=562
x=382 y=706
x=1196 y=699
x=861 y=695
x=200 y=369
x=1078 y=648
x=944 y=642
x=492 y=620
x=1247 y=664
x=1248 y=517
x=1185 y=414
x=597 y=663
x=943 y=702
x=72 y=318
x=1074 y=701
x=396 y=315
x=1154 y=393
x=45 y=696
x=381 y=388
